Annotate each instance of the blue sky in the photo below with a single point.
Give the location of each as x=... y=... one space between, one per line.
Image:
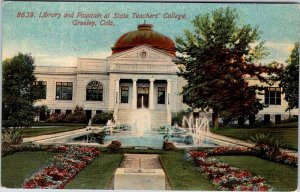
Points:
x=58 y=42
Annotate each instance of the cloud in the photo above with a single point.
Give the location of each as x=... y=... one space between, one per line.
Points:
x=282 y=47
x=44 y=59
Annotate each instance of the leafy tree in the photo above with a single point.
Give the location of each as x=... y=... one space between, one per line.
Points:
x=289 y=79
x=215 y=58
x=18 y=91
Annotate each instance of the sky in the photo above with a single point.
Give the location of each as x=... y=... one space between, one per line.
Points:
x=57 y=42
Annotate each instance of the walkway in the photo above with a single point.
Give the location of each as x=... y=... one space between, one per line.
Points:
x=242 y=143
x=43 y=138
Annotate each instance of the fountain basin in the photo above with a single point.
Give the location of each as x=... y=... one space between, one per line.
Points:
x=148 y=139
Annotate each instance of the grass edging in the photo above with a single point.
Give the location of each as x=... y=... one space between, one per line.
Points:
x=112 y=177
x=166 y=173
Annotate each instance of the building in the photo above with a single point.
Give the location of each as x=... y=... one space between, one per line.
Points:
x=140 y=73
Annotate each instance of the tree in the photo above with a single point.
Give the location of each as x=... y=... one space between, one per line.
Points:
x=215 y=59
x=289 y=79
x=18 y=91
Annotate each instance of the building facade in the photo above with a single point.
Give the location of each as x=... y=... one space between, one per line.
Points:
x=140 y=74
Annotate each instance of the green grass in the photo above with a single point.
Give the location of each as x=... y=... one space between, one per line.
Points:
x=281 y=177
x=288 y=137
x=182 y=174
x=98 y=174
x=31 y=132
x=17 y=167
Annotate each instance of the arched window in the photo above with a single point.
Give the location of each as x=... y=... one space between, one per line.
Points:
x=94 y=91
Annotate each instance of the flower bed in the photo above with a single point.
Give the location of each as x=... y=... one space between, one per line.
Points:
x=224 y=176
x=262 y=151
x=62 y=168
x=268 y=153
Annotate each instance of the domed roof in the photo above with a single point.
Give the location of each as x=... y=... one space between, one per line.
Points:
x=144 y=35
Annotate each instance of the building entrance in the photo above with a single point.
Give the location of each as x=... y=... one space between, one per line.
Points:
x=143 y=97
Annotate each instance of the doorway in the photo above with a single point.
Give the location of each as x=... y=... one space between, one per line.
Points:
x=143 y=97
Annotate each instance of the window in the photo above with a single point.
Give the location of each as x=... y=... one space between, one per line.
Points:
x=161 y=95
x=124 y=94
x=68 y=111
x=41 y=86
x=98 y=111
x=64 y=90
x=94 y=91
x=57 y=111
x=273 y=96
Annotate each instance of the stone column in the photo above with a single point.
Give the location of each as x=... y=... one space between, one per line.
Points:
x=169 y=117
x=151 y=94
x=117 y=90
x=134 y=94
x=116 y=108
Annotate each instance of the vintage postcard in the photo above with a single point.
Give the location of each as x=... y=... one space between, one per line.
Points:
x=150 y=95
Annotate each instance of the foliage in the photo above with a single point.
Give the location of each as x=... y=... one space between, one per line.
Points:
x=56 y=118
x=102 y=118
x=266 y=143
x=10 y=137
x=42 y=109
x=18 y=91
x=215 y=59
x=114 y=146
x=177 y=117
x=168 y=146
x=289 y=79
x=78 y=116
x=99 y=137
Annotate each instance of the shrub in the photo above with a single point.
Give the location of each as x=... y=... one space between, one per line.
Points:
x=56 y=118
x=102 y=118
x=266 y=143
x=168 y=146
x=114 y=146
x=11 y=137
x=69 y=118
x=99 y=137
x=79 y=115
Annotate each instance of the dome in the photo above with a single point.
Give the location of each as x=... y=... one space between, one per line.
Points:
x=144 y=35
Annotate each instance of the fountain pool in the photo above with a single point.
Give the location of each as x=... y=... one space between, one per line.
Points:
x=149 y=139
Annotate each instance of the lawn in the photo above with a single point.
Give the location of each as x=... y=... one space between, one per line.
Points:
x=31 y=132
x=280 y=177
x=15 y=168
x=288 y=137
x=183 y=174
x=98 y=174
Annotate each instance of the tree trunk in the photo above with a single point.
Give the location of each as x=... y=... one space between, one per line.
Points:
x=215 y=118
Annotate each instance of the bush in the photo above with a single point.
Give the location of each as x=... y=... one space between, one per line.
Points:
x=79 y=115
x=56 y=118
x=266 y=143
x=11 y=137
x=168 y=146
x=99 y=137
x=102 y=118
x=114 y=146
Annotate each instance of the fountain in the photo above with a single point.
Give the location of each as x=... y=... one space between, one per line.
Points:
x=141 y=119
x=195 y=128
